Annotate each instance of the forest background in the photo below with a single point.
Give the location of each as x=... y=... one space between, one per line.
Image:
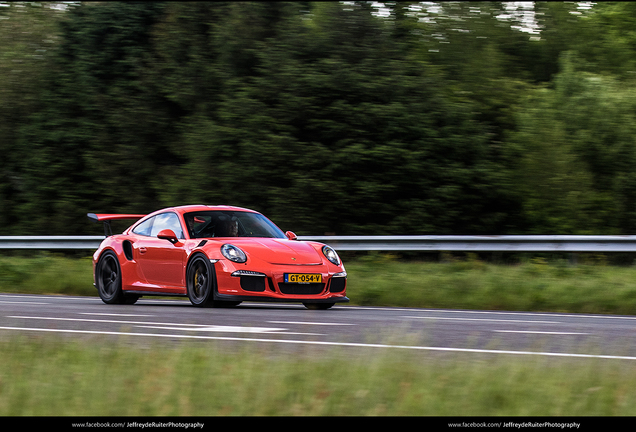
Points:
x=343 y=118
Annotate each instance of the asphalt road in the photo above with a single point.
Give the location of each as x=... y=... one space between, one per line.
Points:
x=292 y=326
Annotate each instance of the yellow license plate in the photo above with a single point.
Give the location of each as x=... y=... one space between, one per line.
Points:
x=302 y=278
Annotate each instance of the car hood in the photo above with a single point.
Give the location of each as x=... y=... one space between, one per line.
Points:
x=279 y=251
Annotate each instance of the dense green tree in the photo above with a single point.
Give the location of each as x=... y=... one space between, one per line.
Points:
x=329 y=117
x=606 y=39
x=331 y=130
x=578 y=153
x=101 y=133
x=29 y=35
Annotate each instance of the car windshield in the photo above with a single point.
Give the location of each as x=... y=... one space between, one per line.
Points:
x=206 y=224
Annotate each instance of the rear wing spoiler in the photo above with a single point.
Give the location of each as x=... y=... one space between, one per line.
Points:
x=106 y=218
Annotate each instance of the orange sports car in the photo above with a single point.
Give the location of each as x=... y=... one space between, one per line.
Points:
x=217 y=256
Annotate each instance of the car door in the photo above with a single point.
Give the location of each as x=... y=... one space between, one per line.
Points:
x=161 y=261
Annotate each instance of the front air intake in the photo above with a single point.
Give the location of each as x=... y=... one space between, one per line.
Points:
x=301 y=289
x=253 y=283
x=338 y=284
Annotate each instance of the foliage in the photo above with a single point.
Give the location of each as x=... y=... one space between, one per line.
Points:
x=329 y=117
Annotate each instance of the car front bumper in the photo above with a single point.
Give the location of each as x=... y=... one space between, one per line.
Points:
x=235 y=282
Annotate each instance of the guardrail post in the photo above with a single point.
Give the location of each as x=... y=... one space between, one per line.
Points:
x=573 y=258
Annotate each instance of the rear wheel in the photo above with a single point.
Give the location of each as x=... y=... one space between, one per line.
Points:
x=108 y=279
x=200 y=281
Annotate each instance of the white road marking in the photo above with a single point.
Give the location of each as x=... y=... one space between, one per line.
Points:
x=147 y=301
x=539 y=332
x=482 y=319
x=49 y=297
x=542 y=314
x=105 y=321
x=114 y=314
x=171 y=326
x=345 y=344
x=269 y=304
x=310 y=323
x=22 y=302
x=234 y=329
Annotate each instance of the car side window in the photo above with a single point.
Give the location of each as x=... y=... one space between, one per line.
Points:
x=145 y=227
x=167 y=221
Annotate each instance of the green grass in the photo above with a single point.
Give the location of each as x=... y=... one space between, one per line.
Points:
x=46 y=274
x=98 y=377
x=380 y=280
x=536 y=285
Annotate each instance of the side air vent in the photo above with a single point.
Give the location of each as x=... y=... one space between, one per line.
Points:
x=202 y=243
x=128 y=251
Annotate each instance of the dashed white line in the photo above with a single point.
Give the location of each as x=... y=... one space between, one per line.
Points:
x=310 y=323
x=22 y=302
x=541 y=314
x=539 y=332
x=49 y=297
x=104 y=321
x=482 y=319
x=516 y=313
x=114 y=314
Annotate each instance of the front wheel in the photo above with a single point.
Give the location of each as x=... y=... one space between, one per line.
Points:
x=200 y=281
x=108 y=279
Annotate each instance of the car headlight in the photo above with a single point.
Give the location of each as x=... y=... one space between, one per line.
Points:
x=331 y=255
x=233 y=253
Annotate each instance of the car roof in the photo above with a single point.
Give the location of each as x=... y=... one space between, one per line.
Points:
x=197 y=208
x=191 y=208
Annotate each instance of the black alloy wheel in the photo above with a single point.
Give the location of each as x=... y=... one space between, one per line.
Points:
x=200 y=281
x=108 y=279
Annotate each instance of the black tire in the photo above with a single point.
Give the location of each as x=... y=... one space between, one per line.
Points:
x=200 y=281
x=318 y=306
x=130 y=299
x=108 y=279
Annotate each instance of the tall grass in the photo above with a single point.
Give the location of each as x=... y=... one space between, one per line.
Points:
x=46 y=273
x=534 y=285
x=54 y=377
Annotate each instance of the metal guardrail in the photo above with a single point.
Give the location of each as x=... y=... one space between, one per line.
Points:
x=509 y=243
x=50 y=242
x=504 y=243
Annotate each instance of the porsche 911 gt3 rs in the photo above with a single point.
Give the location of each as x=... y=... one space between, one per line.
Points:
x=216 y=256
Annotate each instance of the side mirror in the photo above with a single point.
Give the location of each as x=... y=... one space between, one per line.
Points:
x=290 y=235
x=168 y=234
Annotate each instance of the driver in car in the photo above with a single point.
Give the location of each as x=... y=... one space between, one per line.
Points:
x=227 y=228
